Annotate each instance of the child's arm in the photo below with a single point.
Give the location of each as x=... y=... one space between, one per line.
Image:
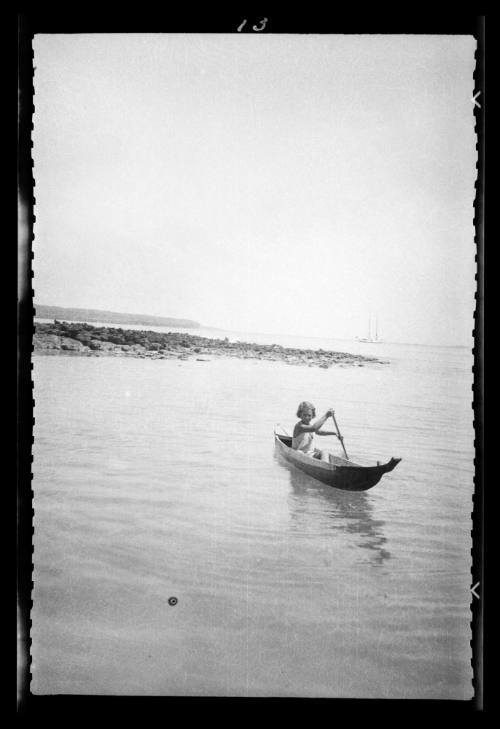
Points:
x=326 y=432
x=314 y=427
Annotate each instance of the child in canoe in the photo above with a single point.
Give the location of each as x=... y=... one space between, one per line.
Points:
x=303 y=433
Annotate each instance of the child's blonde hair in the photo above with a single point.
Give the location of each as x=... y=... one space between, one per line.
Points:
x=306 y=406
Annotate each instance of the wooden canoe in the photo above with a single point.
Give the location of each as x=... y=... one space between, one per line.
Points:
x=341 y=474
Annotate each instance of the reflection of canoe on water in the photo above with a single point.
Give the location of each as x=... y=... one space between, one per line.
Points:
x=340 y=473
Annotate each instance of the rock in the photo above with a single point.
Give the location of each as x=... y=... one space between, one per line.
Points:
x=115 y=339
x=72 y=345
x=83 y=337
x=102 y=346
x=47 y=341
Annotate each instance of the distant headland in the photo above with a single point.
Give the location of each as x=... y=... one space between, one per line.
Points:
x=110 y=317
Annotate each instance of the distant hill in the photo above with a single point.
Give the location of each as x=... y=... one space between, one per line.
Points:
x=110 y=317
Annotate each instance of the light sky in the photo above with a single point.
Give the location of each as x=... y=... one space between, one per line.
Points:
x=288 y=184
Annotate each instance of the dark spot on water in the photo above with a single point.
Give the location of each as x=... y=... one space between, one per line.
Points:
x=172 y=601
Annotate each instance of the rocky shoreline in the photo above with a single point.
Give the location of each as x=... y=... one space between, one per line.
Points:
x=74 y=338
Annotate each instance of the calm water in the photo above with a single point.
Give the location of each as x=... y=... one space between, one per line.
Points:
x=156 y=479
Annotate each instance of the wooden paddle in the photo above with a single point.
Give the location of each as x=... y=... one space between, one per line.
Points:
x=340 y=437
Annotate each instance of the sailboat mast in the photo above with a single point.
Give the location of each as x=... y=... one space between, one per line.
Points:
x=376 y=328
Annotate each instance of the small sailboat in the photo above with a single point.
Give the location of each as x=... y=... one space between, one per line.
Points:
x=370 y=338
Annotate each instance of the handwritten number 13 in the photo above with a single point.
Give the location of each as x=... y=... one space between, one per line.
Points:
x=256 y=28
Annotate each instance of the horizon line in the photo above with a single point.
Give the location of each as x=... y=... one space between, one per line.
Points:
x=237 y=331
